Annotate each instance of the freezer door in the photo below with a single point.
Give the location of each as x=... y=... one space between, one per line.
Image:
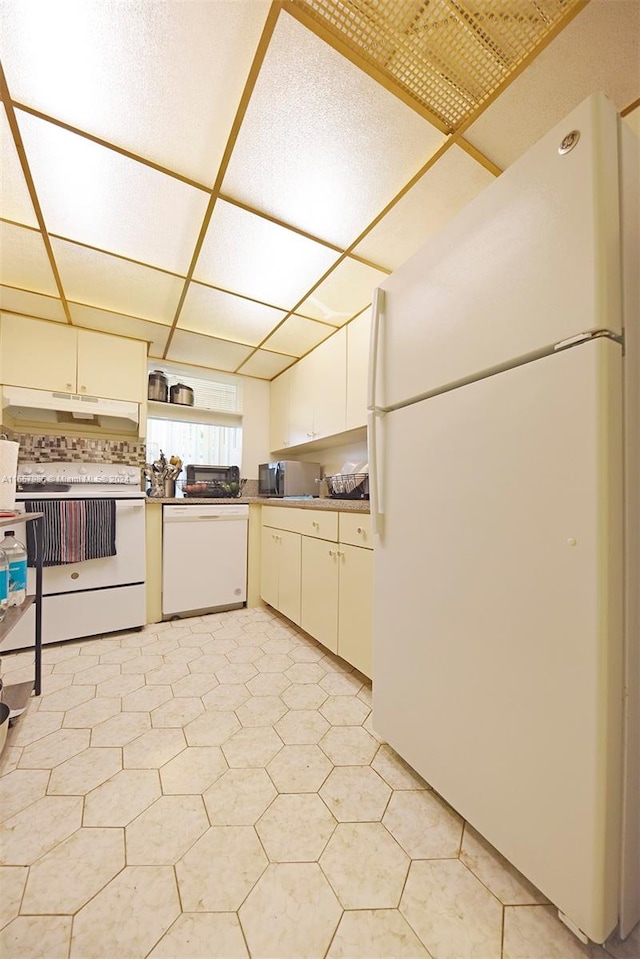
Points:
x=498 y=615
x=531 y=261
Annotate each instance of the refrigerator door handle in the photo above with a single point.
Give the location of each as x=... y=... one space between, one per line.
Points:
x=375 y=499
x=377 y=310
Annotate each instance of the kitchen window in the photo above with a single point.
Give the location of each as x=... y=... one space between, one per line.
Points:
x=209 y=432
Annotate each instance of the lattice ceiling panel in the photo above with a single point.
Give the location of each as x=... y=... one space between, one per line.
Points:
x=448 y=55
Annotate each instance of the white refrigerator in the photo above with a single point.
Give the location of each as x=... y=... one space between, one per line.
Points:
x=504 y=437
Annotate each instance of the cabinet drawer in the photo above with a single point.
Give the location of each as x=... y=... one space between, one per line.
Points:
x=281 y=518
x=355 y=529
x=319 y=523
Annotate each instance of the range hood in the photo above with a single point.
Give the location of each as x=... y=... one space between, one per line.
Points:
x=41 y=406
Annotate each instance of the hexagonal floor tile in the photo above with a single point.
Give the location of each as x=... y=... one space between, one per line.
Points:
x=120 y=685
x=145 y=699
x=424 y=825
x=220 y=869
x=36 y=936
x=119 y=801
x=85 y=771
x=345 y=711
x=376 y=934
x=261 y=711
x=365 y=866
x=244 y=654
x=20 y=789
x=193 y=770
x=291 y=912
x=167 y=674
x=341 y=684
x=349 y=746
x=143 y=664
x=129 y=916
x=196 y=684
x=76 y=664
x=165 y=831
x=56 y=816
x=302 y=727
x=183 y=654
x=212 y=728
x=177 y=712
x=91 y=713
x=153 y=749
x=120 y=729
x=12 y=882
x=273 y=663
x=396 y=771
x=498 y=875
x=304 y=696
x=209 y=663
x=225 y=698
x=72 y=873
x=54 y=749
x=96 y=674
x=252 y=746
x=306 y=653
x=268 y=684
x=239 y=797
x=295 y=828
x=216 y=935
x=34 y=726
x=451 y=911
x=305 y=673
x=299 y=769
x=63 y=699
x=356 y=794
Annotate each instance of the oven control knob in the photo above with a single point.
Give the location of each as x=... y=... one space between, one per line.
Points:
x=40 y=470
x=82 y=471
x=27 y=471
x=122 y=473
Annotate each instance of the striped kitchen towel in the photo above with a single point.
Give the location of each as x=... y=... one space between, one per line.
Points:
x=73 y=530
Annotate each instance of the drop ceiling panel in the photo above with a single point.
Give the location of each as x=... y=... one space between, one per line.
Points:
x=599 y=50
x=345 y=292
x=24 y=261
x=297 y=336
x=323 y=146
x=108 y=282
x=444 y=189
x=31 y=304
x=15 y=201
x=247 y=254
x=206 y=351
x=266 y=365
x=156 y=334
x=161 y=79
x=91 y=194
x=230 y=317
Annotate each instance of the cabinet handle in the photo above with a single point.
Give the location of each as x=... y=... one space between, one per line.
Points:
x=333 y=552
x=69 y=386
x=315 y=524
x=83 y=389
x=359 y=529
x=309 y=434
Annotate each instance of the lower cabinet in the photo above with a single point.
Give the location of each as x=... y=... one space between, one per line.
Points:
x=318 y=572
x=280 y=571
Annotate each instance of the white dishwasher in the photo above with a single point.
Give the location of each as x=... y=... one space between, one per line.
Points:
x=204 y=557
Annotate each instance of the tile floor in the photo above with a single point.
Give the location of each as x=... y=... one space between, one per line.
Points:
x=213 y=789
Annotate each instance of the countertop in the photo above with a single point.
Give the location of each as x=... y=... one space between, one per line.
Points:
x=342 y=505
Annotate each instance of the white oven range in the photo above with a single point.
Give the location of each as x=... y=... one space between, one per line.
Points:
x=99 y=595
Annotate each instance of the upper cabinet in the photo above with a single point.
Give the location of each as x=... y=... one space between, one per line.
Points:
x=308 y=401
x=358 y=335
x=61 y=358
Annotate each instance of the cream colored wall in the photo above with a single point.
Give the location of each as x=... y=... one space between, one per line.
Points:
x=255 y=426
x=333 y=457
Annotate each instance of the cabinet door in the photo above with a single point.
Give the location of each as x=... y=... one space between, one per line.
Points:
x=111 y=366
x=289 y=575
x=329 y=382
x=358 y=334
x=279 y=392
x=302 y=401
x=38 y=355
x=269 y=565
x=355 y=607
x=320 y=591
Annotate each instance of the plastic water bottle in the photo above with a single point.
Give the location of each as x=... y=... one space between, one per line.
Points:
x=4 y=584
x=17 y=557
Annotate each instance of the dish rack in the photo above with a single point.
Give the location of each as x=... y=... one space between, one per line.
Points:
x=348 y=485
x=213 y=490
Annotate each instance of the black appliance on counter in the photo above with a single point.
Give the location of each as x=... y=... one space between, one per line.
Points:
x=212 y=481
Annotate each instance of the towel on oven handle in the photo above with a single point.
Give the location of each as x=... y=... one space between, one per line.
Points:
x=73 y=530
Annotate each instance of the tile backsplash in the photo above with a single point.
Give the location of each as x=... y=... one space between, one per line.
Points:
x=45 y=448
